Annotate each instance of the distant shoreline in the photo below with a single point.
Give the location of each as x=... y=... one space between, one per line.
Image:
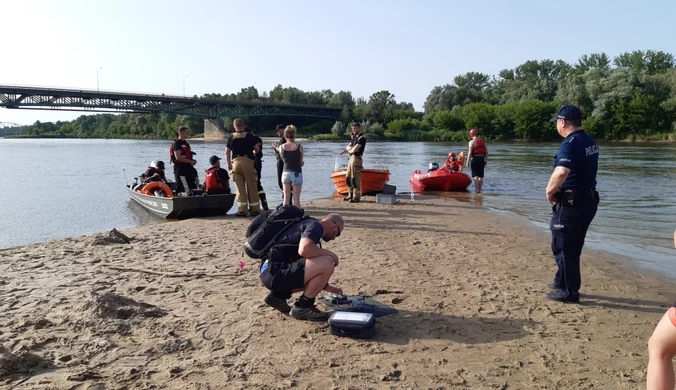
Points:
x=309 y=139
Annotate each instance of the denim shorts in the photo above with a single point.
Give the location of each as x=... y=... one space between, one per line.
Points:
x=293 y=178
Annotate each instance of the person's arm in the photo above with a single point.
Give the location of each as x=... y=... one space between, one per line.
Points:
x=563 y=164
x=557 y=179
x=181 y=159
x=469 y=153
x=485 y=154
x=300 y=147
x=227 y=157
x=257 y=149
x=308 y=249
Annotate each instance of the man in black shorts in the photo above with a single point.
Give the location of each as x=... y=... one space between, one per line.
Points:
x=477 y=158
x=297 y=263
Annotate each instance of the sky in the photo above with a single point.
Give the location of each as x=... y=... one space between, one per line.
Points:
x=363 y=46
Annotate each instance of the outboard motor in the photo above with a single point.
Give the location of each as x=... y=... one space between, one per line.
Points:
x=432 y=167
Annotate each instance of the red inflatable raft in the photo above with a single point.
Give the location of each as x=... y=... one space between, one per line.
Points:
x=439 y=180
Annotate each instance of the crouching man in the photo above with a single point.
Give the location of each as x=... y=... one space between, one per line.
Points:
x=296 y=262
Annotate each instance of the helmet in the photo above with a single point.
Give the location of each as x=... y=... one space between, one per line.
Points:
x=452 y=154
x=159 y=165
x=473 y=132
x=153 y=164
x=433 y=166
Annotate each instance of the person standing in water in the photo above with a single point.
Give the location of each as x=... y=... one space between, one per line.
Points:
x=477 y=158
x=572 y=193
x=354 y=166
x=292 y=176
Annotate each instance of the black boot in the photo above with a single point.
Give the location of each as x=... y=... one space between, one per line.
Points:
x=264 y=201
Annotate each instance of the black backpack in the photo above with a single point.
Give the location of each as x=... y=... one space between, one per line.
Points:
x=267 y=227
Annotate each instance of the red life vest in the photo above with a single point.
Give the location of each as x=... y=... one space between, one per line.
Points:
x=452 y=165
x=213 y=180
x=479 y=147
x=185 y=152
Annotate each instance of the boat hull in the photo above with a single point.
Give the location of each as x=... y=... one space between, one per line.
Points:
x=439 y=180
x=372 y=181
x=184 y=206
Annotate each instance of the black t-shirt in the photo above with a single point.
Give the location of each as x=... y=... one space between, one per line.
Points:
x=286 y=246
x=259 y=142
x=282 y=141
x=361 y=141
x=242 y=144
x=223 y=175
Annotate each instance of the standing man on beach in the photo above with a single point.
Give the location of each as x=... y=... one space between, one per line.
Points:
x=244 y=148
x=280 y=163
x=477 y=158
x=258 y=165
x=572 y=193
x=354 y=166
x=182 y=158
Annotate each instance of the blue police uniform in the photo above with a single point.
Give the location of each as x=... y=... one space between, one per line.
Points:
x=576 y=206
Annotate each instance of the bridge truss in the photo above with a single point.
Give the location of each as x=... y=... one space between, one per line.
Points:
x=20 y=97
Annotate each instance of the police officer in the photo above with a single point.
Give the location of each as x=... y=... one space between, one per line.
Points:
x=572 y=193
x=354 y=166
x=244 y=148
x=258 y=165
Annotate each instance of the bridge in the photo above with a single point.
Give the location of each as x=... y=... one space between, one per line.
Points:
x=9 y=124
x=46 y=98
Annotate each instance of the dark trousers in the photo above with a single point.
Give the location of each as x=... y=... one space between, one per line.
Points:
x=190 y=175
x=258 y=166
x=280 y=170
x=569 y=225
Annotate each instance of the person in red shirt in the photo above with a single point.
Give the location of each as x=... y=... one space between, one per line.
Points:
x=452 y=163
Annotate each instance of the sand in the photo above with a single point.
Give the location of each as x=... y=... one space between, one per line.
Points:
x=172 y=309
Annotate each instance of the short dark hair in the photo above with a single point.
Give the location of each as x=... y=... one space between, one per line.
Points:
x=577 y=122
x=356 y=124
x=183 y=128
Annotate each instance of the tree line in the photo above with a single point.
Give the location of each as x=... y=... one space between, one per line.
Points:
x=632 y=96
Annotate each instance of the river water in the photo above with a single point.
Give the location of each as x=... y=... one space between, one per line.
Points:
x=61 y=188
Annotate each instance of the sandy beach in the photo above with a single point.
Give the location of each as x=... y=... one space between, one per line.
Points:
x=172 y=309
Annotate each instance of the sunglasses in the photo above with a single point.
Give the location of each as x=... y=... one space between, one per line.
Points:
x=337 y=227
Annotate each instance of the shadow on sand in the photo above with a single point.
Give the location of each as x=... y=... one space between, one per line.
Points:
x=405 y=326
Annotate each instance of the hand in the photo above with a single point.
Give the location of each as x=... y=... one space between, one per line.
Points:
x=302 y=163
x=550 y=198
x=334 y=289
x=335 y=259
x=342 y=152
x=193 y=162
x=274 y=144
x=230 y=167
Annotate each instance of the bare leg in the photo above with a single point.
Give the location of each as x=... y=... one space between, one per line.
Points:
x=661 y=349
x=296 y=195
x=287 y=194
x=479 y=184
x=318 y=271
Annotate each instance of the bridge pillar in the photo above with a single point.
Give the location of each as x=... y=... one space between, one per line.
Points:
x=214 y=129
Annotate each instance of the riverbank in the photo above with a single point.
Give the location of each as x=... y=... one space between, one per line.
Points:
x=172 y=309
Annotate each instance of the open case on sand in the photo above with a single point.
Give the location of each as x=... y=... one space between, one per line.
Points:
x=357 y=304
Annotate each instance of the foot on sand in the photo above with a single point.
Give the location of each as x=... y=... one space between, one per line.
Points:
x=563 y=296
x=308 y=314
x=277 y=303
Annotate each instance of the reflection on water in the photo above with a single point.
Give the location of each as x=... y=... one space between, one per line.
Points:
x=63 y=188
